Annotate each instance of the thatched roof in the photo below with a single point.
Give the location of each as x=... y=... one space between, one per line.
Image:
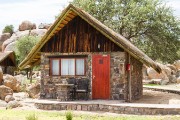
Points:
x=67 y=15
x=7 y=58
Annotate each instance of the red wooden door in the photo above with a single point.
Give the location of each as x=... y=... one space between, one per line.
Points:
x=100 y=76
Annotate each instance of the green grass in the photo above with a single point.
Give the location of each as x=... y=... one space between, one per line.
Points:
x=59 y=115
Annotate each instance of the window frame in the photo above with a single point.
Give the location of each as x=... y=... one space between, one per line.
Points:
x=60 y=58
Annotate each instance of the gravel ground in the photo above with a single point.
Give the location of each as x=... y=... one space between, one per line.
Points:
x=149 y=97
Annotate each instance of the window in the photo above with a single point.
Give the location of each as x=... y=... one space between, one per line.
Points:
x=80 y=67
x=55 y=68
x=67 y=66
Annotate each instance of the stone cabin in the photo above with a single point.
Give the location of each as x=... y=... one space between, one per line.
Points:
x=78 y=45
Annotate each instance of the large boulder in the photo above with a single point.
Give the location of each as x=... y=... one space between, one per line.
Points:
x=167 y=70
x=11 y=82
x=34 y=90
x=38 y=32
x=177 y=64
x=159 y=81
x=4 y=37
x=27 y=25
x=1 y=76
x=10 y=47
x=172 y=79
x=8 y=41
x=2 y=103
x=21 y=78
x=152 y=74
x=9 y=44
x=9 y=98
x=4 y=91
x=172 y=67
x=178 y=80
x=178 y=73
x=44 y=26
x=13 y=104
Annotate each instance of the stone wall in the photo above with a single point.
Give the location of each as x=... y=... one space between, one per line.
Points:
x=118 y=80
x=136 y=79
x=120 y=109
x=48 y=83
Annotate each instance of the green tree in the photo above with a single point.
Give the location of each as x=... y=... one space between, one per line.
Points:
x=8 y=29
x=24 y=45
x=149 y=24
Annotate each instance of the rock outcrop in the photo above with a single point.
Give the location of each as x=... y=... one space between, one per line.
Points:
x=9 y=98
x=9 y=44
x=170 y=74
x=4 y=37
x=152 y=74
x=1 y=76
x=4 y=91
x=11 y=82
x=178 y=80
x=44 y=26
x=177 y=64
x=34 y=90
x=3 y=103
x=27 y=25
x=13 y=104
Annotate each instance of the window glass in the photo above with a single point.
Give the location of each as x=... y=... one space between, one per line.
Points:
x=79 y=66
x=71 y=66
x=55 y=67
x=67 y=67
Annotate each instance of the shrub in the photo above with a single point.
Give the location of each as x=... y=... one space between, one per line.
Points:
x=8 y=29
x=24 y=46
x=69 y=115
x=32 y=117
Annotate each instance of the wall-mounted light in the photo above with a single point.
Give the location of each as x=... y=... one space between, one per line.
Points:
x=99 y=45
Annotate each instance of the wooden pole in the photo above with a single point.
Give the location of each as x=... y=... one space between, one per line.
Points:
x=30 y=75
x=129 y=77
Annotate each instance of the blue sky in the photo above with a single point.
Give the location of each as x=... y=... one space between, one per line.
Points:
x=42 y=11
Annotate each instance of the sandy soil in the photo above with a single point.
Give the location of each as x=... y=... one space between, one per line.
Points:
x=157 y=97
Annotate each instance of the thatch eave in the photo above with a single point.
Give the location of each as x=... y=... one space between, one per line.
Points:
x=8 y=54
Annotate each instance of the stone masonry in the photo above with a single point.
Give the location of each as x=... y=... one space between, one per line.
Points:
x=118 y=81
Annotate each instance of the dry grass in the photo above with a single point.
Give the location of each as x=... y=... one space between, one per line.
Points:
x=61 y=115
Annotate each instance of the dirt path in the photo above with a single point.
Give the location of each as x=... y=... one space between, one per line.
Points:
x=157 y=97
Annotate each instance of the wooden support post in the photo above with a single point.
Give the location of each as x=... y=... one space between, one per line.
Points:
x=129 y=77
x=30 y=75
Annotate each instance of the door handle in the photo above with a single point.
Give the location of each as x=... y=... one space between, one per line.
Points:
x=93 y=76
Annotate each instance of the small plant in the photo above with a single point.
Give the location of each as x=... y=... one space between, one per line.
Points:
x=31 y=117
x=69 y=115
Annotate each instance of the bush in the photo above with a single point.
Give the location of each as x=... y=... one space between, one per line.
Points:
x=32 y=117
x=8 y=29
x=69 y=115
x=24 y=45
